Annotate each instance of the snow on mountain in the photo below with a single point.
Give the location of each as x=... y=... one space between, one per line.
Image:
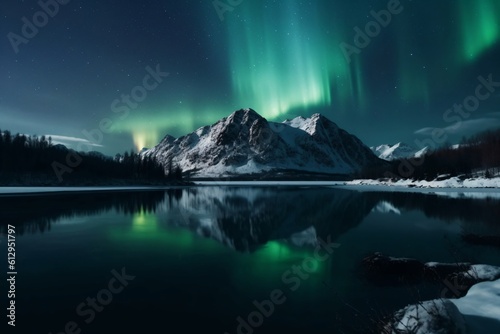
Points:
x=398 y=151
x=421 y=152
x=246 y=143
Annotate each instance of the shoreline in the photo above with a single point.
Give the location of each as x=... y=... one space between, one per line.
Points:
x=34 y=191
x=357 y=185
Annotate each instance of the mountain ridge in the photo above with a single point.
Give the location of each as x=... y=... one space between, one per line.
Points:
x=245 y=143
x=397 y=151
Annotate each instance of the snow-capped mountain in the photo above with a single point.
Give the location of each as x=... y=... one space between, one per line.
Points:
x=246 y=143
x=398 y=151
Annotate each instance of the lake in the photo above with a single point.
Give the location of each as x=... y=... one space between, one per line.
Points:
x=230 y=259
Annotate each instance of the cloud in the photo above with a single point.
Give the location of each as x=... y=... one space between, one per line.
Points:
x=424 y=131
x=72 y=141
x=465 y=127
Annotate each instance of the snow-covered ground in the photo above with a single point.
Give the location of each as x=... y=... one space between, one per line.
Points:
x=477 y=312
x=453 y=187
x=450 y=183
x=481 y=308
x=480 y=188
x=472 y=188
x=453 y=182
x=429 y=317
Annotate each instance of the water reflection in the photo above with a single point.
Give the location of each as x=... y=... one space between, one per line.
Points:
x=35 y=213
x=211 y=251
x=146 y=229
x=246 y=219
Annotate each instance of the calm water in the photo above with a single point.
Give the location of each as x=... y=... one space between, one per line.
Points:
x=199 y=258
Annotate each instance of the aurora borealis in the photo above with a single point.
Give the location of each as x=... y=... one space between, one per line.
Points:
x=281 y=58
x=480 y=28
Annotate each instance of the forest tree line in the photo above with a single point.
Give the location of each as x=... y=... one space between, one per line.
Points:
x=27 y=157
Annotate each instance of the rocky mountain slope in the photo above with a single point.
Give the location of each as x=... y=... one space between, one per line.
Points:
x=398 y=151
x=246 y=143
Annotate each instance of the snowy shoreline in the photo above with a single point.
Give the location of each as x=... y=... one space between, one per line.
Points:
x=475 y=313
x=452 y=182
x=454 y=188
x=478 y=187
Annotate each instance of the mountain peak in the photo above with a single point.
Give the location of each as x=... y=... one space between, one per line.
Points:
x=246 y=143
x=397 y=151
x=246 y=111
x=311 y=125
x=323 y=119
x=244 y=116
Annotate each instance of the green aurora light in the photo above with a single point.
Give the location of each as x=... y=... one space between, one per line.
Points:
x=480 y=26
x=284 y=60
x=269 y=261
x=292 y=63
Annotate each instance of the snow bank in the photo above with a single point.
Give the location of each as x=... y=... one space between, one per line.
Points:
x=478 y=188
x=482 y=272
x=453 y=182
x=477 y=312
x=483 y=303
x=435 y=316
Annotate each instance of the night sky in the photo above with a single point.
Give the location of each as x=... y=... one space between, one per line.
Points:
x=282 y=58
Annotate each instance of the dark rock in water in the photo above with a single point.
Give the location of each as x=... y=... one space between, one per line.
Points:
x=386 y=270
x=440 y=271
